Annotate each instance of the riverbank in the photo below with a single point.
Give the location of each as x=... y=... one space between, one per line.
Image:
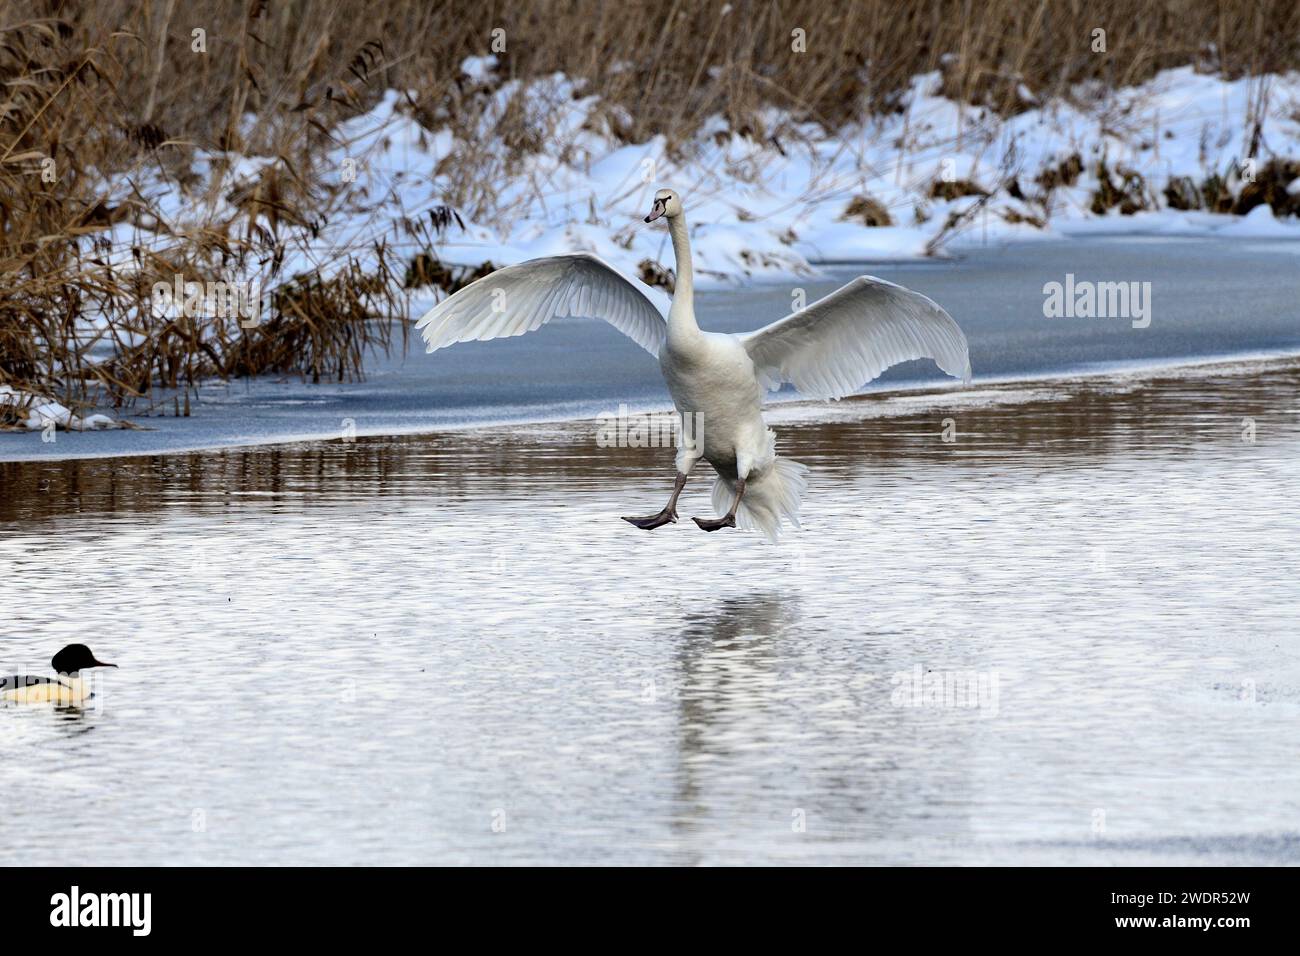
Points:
x=307 y=201
x=1211 y=300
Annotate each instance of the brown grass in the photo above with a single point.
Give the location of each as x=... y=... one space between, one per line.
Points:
x=114 y=85
x=73 y=324
x=653 y=58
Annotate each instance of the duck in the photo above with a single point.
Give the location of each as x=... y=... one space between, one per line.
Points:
x=717 y=380
x=66 y=688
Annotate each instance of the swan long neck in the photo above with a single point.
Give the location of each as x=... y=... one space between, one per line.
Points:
x=681 y=317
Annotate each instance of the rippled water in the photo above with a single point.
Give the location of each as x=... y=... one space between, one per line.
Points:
x=449 y=649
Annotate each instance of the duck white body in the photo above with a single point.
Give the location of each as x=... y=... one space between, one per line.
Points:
x=717 y=380
x=67 y=692
x=67 y=688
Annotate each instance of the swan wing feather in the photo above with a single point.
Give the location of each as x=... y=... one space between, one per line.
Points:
x=524 y=297
x=840 y=343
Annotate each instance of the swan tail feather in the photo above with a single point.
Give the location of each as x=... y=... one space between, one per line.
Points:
x=769 y=499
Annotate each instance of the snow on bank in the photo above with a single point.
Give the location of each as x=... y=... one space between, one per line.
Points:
x=34 y=413
x=774 y=208
x=944 y=175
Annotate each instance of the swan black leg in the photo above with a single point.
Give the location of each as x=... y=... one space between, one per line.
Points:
x=667 y=516
x=729 y=519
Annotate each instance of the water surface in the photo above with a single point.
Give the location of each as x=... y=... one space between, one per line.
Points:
x=448 y=649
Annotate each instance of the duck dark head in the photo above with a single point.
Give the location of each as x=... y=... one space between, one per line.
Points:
x=75 y=658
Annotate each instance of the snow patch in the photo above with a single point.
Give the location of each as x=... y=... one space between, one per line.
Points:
x=42 y=413
x=768 y=208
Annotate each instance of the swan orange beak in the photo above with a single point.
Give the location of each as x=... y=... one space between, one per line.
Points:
x=656 y=211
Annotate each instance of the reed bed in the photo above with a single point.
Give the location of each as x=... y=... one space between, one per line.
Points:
x=133 y=88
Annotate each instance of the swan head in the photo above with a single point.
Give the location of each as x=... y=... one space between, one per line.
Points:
x=667 y=203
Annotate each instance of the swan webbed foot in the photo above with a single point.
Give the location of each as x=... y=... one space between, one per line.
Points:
x=650 y=522
x=713 y=524
x=668 y=515
x=729 y=519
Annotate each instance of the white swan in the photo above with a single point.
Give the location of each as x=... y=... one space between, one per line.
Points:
x=717 y=380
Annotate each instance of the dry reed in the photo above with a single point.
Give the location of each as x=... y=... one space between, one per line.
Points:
x=117 y=86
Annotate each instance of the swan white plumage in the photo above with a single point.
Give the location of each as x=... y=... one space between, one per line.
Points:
x=717 y=380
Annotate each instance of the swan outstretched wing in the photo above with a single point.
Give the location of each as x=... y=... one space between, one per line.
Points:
x=838 y=344
x=524 y=297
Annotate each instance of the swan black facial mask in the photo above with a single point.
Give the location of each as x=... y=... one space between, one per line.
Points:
x=656 y=211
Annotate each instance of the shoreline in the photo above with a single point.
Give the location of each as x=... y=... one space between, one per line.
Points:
x=776 y=407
